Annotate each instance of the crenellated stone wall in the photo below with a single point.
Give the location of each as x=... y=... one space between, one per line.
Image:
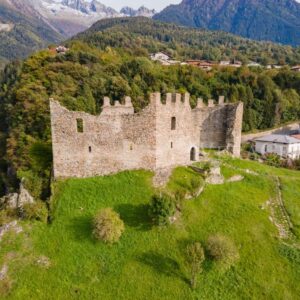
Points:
x=161 y=135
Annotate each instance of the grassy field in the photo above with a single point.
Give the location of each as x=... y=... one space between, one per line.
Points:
x=147 y=263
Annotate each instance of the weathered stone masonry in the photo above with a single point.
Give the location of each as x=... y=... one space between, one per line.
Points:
x=160 y=136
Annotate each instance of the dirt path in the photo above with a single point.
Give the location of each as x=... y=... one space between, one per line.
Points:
x=279 y=215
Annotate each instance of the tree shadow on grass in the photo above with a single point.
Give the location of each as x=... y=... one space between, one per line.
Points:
x=135 y=216
x=82 y=228
x=163 y=265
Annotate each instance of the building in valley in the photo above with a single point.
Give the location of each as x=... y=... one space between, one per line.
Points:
x=285 y=146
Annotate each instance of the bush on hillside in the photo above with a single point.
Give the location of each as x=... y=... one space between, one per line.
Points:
x=108 y=226
x=273 y=159
x=36 y=211
x=4 y=218
x=162 y=207
x=221 y=249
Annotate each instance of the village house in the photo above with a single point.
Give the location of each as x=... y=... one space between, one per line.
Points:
x=296 y=68
x=253 y=64
x=160 y=56
x=230 y=63
x=61 y=49
x=285 y=146
x=201 y=64
x=164 y=59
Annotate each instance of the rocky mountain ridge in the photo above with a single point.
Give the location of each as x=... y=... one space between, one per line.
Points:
x=68 y=17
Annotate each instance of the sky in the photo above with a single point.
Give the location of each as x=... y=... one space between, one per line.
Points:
x=156 y=4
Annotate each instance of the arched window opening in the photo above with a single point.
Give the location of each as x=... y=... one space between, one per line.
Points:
x=173 y=123
x=90 y=149
x=193 y=154
x=79 y=125
x=171 y=144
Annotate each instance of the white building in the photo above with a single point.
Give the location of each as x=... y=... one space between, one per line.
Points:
x=160 y=56
x=253 y=64
x=284 y=145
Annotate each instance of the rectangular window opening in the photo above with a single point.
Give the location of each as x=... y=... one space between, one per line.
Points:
x=173 y=123
x=90 y=149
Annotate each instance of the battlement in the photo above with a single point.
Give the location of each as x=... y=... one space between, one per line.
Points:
x=117 y=108
x=172 y=99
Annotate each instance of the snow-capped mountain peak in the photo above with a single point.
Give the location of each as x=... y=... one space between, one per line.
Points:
x=69 y=17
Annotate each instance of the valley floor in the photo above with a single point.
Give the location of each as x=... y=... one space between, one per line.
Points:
x=147 y=263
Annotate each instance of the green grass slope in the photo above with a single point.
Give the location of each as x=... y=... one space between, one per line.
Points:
x=147 y=263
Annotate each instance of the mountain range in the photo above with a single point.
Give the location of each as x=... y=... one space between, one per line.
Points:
x=29 y=25
x=69 y=17
x=22 y=31
x=272 y=20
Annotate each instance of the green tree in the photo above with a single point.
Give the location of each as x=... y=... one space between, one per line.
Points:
x=194 y=258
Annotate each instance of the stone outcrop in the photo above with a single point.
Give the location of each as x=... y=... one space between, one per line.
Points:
x=10 y=226
x=24 y=196
x=16 y=200
x=162 y=135
x=215 y=176
x=9 y=201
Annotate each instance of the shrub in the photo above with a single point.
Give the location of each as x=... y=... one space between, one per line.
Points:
x=162 y=207
x=35 y=211
x=108 y=226
x=7 y=215
x=272 y=159
x=195 y=258
x=32 y=182
x=4 y=217
x=222 y=249
x=254 y=156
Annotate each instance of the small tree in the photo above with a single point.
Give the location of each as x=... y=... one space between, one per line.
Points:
x=195 y=258
x=222 y=249
x=108 y=226
x=162 y=207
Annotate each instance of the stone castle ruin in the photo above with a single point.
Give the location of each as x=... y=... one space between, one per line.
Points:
x=162 y=135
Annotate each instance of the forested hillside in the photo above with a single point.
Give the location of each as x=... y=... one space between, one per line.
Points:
x=271 y=20
x=21 y=33
x=115 y=63
x=185 y=43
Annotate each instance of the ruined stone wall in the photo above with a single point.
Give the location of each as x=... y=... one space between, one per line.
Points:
x=220 y=125
x=115 y=140
x=234 y=128
x=174 y=145
x=162 y=135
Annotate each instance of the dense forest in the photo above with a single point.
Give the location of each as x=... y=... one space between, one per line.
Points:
x=271 y=20
x=185 y=43
x=92 y=69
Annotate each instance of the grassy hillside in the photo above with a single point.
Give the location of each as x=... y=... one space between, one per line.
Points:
x=147 y=263
x=112 y=59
